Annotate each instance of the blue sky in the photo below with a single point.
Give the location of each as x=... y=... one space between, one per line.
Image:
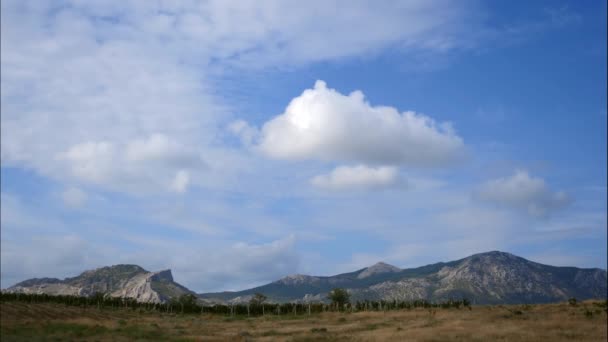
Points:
x=238 y=142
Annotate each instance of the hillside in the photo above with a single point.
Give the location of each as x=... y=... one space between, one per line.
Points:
x=486 y=278
x=129 y=281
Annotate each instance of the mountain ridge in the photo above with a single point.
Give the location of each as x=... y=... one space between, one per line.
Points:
x=484 y=278
x=122 y=280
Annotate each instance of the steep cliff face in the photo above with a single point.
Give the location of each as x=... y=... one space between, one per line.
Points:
x=140 y=288
x=130 y=281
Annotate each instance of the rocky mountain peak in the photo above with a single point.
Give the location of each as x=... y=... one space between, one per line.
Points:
x=378 y=268
x=122 y=280
x=162 y=275
x=496 y=259
x=495 y=255
x=116 y=270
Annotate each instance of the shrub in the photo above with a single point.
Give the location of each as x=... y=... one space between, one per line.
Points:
x=339 y=297
x=258 y=299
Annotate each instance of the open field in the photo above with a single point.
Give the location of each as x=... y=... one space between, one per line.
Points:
x=552 y=322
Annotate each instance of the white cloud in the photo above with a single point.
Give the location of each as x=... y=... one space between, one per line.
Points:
x=522 y=191
x=84 y=100
x=158 y=147
x=94 y=78
x=74 y=197
x=180 y=182
x=91 y=161
x=274 y=33
x=326 y=125
x=357 y=177
x=246 y=132
x=153 y=163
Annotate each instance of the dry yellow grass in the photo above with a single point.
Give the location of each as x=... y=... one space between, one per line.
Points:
x=552 y=322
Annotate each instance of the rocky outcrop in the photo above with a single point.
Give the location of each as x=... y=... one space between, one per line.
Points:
x=55 y=289
x=402 y=290
x=129 y=281
x=140 y=288
x=296 y=279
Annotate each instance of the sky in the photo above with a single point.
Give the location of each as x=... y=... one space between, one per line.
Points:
x=237 y=142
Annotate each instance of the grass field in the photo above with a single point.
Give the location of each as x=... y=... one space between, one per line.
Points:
x=552 y=322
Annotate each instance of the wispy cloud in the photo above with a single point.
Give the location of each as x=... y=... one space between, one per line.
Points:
x=523 y=192
x=357 y=177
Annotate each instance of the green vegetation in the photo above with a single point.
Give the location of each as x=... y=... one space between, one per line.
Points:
x=188 y=304
x=258 y=299
x=339 y=297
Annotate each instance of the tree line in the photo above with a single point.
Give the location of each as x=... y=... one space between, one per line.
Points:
x=257 y=306
x=183 y=304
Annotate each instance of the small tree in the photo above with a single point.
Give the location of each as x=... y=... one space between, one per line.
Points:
x=339 y=297
x=257 y=299
x=98 y=298
x=187 y=303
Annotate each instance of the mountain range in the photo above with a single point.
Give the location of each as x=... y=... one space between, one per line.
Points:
x=485 y=278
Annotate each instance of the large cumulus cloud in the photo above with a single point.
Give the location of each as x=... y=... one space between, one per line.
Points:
x=324 y=124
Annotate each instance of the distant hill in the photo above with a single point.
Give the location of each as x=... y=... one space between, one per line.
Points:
x=486 y=278
x=129 y=281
